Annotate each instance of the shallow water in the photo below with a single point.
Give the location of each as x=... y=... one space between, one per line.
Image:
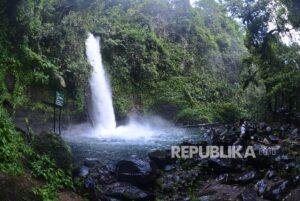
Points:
x=129 y=142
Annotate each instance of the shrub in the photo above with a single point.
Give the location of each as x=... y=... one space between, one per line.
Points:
x=226 y=113
x=12 y=146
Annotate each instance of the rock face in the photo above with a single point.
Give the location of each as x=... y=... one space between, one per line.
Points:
x=127 y=192
x=136 y=172
x=54 y=146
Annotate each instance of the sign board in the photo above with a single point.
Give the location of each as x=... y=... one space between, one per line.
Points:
x=59 y=99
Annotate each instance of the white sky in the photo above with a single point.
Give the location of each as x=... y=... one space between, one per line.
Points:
x=192 y=2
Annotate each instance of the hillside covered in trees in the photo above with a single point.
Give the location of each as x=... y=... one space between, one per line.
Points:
x=160 y=55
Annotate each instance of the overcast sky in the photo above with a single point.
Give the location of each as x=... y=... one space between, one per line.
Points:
x=192 y=1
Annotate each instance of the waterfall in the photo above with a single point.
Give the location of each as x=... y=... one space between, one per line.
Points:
x=102 y=111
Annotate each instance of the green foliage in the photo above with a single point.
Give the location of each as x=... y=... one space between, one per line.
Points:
x=12 y=147
x=44 y=168
x=273 y=64
x=146 y=46
x=13 y=153
x=227 y=113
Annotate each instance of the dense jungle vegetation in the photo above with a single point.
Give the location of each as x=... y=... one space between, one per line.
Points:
x=215 y=61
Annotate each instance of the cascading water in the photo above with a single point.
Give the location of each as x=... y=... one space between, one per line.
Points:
x=103 y=116
x=104 y=140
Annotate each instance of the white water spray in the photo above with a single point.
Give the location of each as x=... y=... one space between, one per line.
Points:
x=102 y=112
x=103 y=116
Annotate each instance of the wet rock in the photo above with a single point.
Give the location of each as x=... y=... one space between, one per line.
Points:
x=90 y=162
x=226 y=179
x=127 y=192
x=246 y=178
x=271 y=174
x=82 y=171
x=136 y=172
x=262 y=125
x=269 y=130
x=161 y=158
x=295 y=180
x=205 y=198
x=295 y=133
x=261 y=186
x=254 y=137
x=278 y=191
x=248 y=195
x=89 y=183
x=224 y=136
x=169 y=168
x=273 y=139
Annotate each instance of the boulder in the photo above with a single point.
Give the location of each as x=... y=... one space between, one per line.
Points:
x=161 y=158
x=81 y=171
x=55 y=147
x=136 y=172
x=127 y=192
x=261 y=186
x=278 y=191
x=262 y=125
x=224 y=136
x=271 y=174
x=226 y=179
x=246 y=178
x=273 y=139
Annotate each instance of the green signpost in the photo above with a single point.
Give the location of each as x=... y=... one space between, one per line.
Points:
x=59 y=102
x=59 y=99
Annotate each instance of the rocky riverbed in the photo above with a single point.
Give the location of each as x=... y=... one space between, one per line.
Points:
x=273 y=176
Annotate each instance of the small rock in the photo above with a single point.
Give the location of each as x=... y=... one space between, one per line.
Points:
x=83 y=171
x=295 y=180
x=169 y=168
x=204 y=198
x=262 y=125
x=246 y=178
x=271 y=174
x=128 y=192
x=273 y=139
x=261 y=186
x=226 y=179
x=248 y=195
